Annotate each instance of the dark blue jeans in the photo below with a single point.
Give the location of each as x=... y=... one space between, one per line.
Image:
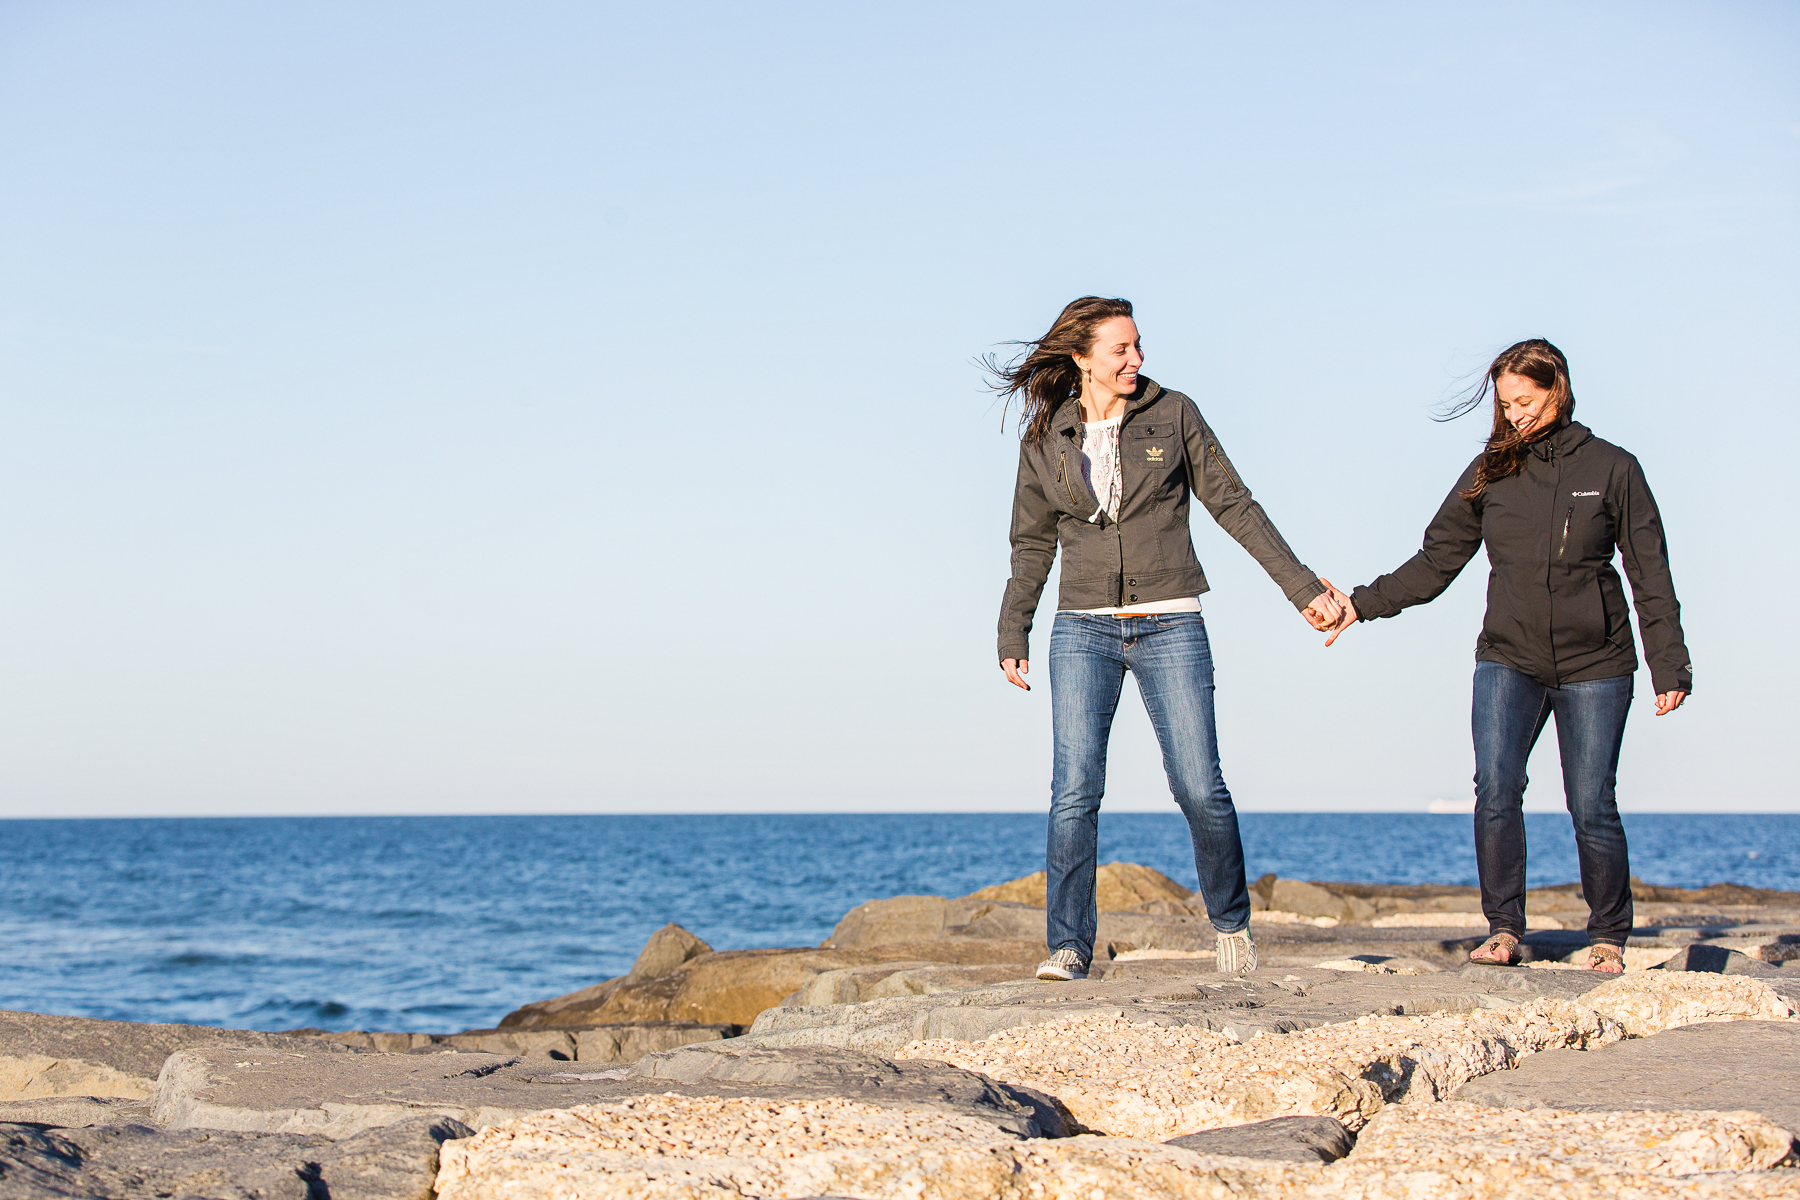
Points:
x=1169 y=654
x=1510 y=712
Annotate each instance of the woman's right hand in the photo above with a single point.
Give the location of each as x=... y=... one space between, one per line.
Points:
x=1015 y=668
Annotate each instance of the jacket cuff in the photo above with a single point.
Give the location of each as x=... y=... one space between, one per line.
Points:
x=1010 y=649
x=1306 y=593
x=1671 y=683
x=1369 y=604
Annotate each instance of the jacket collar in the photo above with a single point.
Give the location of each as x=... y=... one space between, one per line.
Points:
x=1562 y=440
x=1068 y=417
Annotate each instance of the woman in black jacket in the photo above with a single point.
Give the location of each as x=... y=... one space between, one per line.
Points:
x=1552 y=503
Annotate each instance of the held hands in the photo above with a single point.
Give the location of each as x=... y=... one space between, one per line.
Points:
x=1325 y=611
x=1332 y=612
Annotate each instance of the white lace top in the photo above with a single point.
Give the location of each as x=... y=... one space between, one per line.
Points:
x=1100 y=464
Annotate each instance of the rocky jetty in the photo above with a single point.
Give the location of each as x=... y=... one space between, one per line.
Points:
x=912 y=1055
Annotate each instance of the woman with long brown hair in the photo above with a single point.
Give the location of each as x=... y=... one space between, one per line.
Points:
x=1552 y=503
x=1107 y=461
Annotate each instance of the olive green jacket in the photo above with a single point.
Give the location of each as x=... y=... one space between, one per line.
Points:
x=1166 y=450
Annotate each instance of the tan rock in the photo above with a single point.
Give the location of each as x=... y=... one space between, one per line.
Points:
x=1118 y=887
x=1132 y=954
x=1146 y=1081
x=1652 y=1001
x=731 y=987
x=1313 y=900
x=1125 y=887
x=1271 y=916
x=1370 y=964
x=1466 y=1151
x=675 y=1146
x=667 y=949
x=680 y=1146
x=572 y=1008
x=1140 y=1080
x=1432 y=920
x=1637 y=958
x=846 y=985
x=895 y=919
x=669 y=1146
x=36 y=1076
x=1030 y=889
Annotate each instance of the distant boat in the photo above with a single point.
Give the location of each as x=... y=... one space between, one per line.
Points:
x=1451 y=806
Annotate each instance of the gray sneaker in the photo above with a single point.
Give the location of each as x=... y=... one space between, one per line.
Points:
x=1063 y=966
x=1236 y=951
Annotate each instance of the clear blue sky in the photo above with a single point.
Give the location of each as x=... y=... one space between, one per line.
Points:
x=568 y=407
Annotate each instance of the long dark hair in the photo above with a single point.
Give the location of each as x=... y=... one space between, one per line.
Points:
x=1543 y=364
x=1045 y=374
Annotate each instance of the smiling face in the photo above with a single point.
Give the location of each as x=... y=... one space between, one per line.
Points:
x=1523 y=403
x=1111 y=363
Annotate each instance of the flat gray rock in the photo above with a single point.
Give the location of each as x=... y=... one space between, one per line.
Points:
x=311 y=1091
x=1284 y=1139
x=44 y=1055
x=120 y=1161
x=822 y=1071
x=1718 y=1065
x=75 y=1112
x=341 y=1096
x=1717 y=960
x=1273 y=1001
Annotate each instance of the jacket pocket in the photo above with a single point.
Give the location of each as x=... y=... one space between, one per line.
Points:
x=1580 y=624
x=1614 y=611
x=1152 y=446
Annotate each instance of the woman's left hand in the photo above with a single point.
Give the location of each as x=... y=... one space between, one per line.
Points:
x=1668 y=702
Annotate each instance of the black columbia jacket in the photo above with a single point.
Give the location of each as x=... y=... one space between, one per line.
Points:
x=1165 y=450
x=1555 y=607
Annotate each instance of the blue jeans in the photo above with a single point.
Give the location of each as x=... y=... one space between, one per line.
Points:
x=1169 y=654
x=1510 y=711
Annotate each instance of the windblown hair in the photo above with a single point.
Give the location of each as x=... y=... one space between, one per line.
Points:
x=1045 y=374
x=1543 y=364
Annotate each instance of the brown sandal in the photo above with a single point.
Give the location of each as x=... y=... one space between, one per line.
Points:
x=1605 y=958
x=1500 y=950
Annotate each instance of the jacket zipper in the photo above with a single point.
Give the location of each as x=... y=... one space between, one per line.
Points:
x=1565 y=536
x=1063 y=477
x=1220 y=459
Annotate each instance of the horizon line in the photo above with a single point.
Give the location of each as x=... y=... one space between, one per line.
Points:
x=885 y=812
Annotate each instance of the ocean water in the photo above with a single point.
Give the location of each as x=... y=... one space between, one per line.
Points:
x=438 y=924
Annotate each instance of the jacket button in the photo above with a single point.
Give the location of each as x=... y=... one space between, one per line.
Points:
x=1134 y=595
x=1131 y=583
